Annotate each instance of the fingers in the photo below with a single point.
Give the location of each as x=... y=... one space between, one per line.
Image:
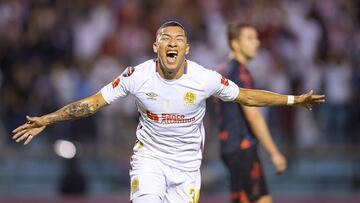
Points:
x=31 y=123
x=281 y=167
x=22 y=127
x=24 y=136
x=280 y=171
x=318 y=97
x=279 y=162
x=310 y=93
x=27 y=131
x=28 y=139
x=18 y=134
x=310 y=100
x=309 y=107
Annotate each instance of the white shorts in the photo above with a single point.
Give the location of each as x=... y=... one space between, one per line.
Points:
x=151 y=176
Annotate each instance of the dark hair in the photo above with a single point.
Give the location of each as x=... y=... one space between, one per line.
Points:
x=234 y=30
x=170 y=24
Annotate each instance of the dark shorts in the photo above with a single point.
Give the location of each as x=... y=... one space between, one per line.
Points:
x=247 y=181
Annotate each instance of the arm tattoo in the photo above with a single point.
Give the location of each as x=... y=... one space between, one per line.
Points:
x=73 y=111
x=77 y=110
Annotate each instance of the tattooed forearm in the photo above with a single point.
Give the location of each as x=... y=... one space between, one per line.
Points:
x=77 y=110
x=72 y=111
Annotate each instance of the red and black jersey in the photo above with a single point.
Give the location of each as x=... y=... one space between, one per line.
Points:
x=235 y=132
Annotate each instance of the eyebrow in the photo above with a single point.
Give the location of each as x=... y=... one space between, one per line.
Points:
x=175 y=36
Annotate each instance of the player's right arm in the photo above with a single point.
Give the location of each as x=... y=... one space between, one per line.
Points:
x=78 y=109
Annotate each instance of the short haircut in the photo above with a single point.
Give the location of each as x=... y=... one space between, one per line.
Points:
x=234 y=30
x=170 y=24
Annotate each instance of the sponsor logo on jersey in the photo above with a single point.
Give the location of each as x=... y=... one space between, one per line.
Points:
x=134 y=185
x=189 y=98
x=115 y=82
x=151 y=95
x=152 y=116
x=224 y=81
x=166 y=118
x=128 y=71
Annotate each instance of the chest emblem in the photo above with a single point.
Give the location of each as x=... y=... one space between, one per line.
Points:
x=151 y=95
x=189 y=98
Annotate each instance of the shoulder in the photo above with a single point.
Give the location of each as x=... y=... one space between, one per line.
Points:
x=141 y=70
x=196 y=70
x=147 y=66
x=205 y=77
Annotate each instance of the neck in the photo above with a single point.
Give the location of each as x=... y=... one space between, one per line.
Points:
x=240 y=58
x=169 y=75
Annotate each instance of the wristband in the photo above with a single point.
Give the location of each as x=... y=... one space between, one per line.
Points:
x=290 y=100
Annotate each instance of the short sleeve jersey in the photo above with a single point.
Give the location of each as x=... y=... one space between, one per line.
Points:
x=171 y=111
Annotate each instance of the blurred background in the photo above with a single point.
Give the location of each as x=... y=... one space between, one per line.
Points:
x=53 y=52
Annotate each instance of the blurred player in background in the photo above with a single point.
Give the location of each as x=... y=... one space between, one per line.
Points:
x=170 y=96
x=242 y=127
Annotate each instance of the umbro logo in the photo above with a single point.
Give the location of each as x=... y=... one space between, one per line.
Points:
x=151 y=95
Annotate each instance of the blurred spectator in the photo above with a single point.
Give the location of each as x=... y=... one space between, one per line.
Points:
x=337 y=86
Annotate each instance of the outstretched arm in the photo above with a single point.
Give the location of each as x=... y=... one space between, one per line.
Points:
x=261 y=131
x=78 y=109
x=252 y=97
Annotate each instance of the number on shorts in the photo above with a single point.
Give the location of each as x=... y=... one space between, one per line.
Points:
x=195 y=195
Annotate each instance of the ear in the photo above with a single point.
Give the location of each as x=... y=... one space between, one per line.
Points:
x=234 y=44
x=187 y=49
x=155 y=47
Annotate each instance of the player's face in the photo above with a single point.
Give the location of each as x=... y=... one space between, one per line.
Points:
x=248 y=42
x=171 y=47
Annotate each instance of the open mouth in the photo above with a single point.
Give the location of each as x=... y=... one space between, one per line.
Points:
x=171 y=56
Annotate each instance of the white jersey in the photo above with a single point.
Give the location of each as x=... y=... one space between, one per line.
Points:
x=171 y=111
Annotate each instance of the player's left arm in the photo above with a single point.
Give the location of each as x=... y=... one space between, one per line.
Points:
x=253 y=97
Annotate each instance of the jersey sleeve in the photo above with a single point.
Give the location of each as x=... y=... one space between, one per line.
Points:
x=121 y=86
x=221 y=87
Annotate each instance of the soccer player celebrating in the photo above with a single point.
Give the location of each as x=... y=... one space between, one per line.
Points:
x=241 y=127
x=170 y=96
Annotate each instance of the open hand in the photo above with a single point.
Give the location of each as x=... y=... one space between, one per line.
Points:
x=309 y=99
x=29 y=130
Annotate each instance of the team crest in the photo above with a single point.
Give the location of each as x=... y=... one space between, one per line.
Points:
x=128 y=71
x=189 y=98
x=134 y=185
